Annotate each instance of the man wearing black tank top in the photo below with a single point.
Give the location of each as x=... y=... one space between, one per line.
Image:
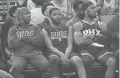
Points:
x=58 y=39
x=92 y=40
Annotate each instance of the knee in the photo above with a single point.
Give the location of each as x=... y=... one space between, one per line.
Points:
x=76 y=59
x=46 y=66
x=54 y=58
x=111 y=61
x=87 y=60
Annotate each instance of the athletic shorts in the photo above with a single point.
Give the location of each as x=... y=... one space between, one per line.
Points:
x=66 y=69
x=98 y=53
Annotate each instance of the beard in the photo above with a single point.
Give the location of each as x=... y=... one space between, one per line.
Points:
x=57 y=22
x=27 y=20
x=92 y=16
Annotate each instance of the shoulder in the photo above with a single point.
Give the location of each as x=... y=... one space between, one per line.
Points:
x=70 y=22
x=78 y=25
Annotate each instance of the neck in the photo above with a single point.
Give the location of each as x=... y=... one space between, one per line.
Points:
x=54 y=25
x=88 y=19
x=24 y=25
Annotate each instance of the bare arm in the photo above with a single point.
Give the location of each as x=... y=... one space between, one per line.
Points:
x=49 y=44
x=69 y=41
x=78 y=37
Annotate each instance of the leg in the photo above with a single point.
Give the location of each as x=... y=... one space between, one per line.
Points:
x=88 y=60
x=4 y=74
x=77 y=62
x=17 y=66
x=39 y=62
x=54 y=66
x=117 y=58
x=110 y=61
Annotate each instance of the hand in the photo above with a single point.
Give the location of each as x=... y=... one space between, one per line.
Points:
x=65 y=60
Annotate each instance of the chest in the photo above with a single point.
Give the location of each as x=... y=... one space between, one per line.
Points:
x=28 y=32
x=58 y=34
x=91 y=29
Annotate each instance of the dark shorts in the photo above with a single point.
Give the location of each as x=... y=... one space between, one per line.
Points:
x=98 y=53
x=66 y=69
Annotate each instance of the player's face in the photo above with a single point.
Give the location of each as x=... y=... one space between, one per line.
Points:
x=91 y=11
x=56 y=16
x=27 y=16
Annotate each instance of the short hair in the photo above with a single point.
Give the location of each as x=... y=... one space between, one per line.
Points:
x=12 y=10
x=52 y=9
x=20 y=11
x=44 y=7
x=76 y=4
x=86 y=5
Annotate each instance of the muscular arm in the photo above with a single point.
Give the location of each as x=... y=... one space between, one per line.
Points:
x=49 y=44
x=69 y=41
x=78 y=37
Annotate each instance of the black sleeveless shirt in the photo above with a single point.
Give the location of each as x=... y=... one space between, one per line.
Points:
x=58 y=37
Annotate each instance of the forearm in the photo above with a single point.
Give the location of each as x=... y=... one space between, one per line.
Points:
x=55 y=50
x=82 y=40
x=86 y=41
x=30 y=40
x=14 y=44
x=68 y=50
